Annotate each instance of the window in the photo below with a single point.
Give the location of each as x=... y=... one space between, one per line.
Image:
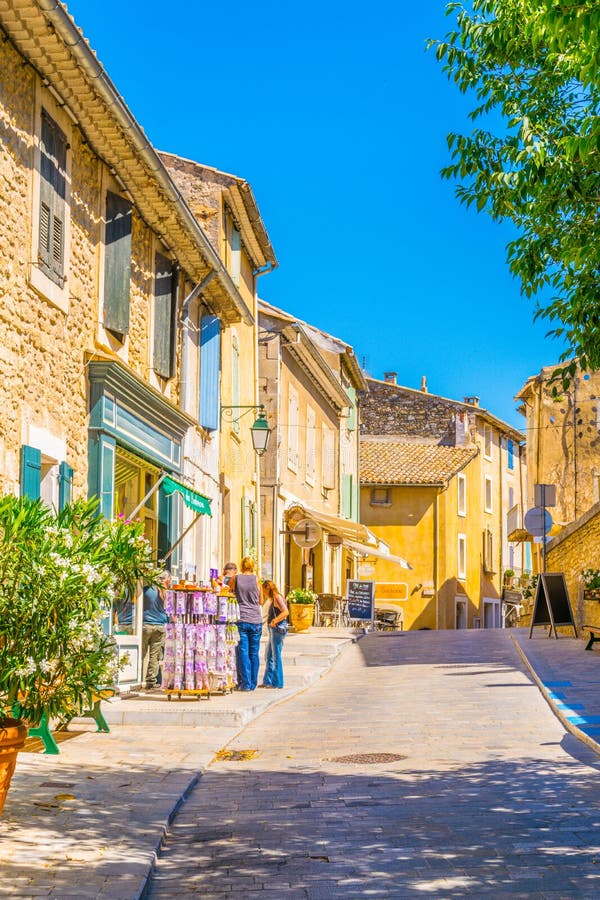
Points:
x=510 y=449
x=310 y=445
x=328 y=457
x=117 y=263
x=236 y=255
x=462 y=495
x=53 y=182
x=235 y=381
x=487 y=441
x=164 y=324
x=43 y=477
x=488 y=551
x=347 y=494
x=488 y=495
x=380 y=497
x=462 y=556
x=292 y=430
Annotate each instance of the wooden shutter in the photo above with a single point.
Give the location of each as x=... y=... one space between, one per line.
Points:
x=65 y=484
x=117 y=263
x=210 y=369
x=163 y=316
x=347 y=496
x=351 y=420
x=31 y=472
x=53 y=167
x=236 y=256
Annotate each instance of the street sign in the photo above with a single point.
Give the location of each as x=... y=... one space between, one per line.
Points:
x=544 y=494
x=538 y=521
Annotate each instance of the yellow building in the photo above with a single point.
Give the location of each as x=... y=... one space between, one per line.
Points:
x=226 y=210
x=437 y=479
x=100 y=258
x=309 y=382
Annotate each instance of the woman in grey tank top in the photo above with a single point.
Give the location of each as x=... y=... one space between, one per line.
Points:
x=248 y=591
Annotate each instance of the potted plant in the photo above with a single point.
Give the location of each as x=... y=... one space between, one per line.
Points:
x=509 y=577
x=591 y=584
x=301 y=604
x=56 y=589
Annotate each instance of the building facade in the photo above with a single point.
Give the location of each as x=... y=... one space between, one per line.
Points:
x=308 y=383
x=438 y=478
x=101 y=259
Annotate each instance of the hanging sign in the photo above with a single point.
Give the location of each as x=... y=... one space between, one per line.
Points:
x=552 y=605
x=361 y=597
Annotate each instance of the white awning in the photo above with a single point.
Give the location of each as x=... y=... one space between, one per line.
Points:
x=365 y=550
x=345 y=528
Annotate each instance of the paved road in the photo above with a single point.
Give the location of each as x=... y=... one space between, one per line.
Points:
x=492 y=798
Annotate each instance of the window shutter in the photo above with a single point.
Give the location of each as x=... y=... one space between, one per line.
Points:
x=31 y=472
x=351 y=420
x=163 y=316
x=347 y=496
x=246 y=525
x=511 y=454
x=53 y=167
x=210 y=368
x=65 y=485
x=117 y=263
x=236 y=256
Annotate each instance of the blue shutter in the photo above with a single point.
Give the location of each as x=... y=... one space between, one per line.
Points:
x=163 y=316
x=101 y=471
x=511 y=454
x=65 y=485
x=31 y=472
x=210 y=368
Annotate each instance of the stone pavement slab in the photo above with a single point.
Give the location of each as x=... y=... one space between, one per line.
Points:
x=88 y=822
x=489 y=795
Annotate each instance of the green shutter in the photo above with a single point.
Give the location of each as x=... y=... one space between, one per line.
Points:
x=65 y=485
x=351 y=421
x=163 y=316
x=347 y=496
x=53 y=166
x=31 y=472
x=117 y=263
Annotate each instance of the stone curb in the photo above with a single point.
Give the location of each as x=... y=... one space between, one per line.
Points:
x=143 y=893
x=577 y=732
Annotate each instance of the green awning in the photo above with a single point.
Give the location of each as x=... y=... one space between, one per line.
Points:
x=191 y=498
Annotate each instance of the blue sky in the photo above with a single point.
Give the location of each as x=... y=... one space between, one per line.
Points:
x=338 y=118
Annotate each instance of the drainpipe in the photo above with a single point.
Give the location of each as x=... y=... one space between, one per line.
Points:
x=436 y=555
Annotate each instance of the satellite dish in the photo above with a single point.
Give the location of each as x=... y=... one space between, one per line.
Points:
x=306 y=534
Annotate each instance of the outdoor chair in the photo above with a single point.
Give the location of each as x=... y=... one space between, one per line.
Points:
x=388 y=620
x=328 y=611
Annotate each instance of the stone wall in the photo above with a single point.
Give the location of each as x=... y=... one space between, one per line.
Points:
x=576 y=549
x=390 y=409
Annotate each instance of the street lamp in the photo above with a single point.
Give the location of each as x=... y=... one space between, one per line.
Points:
x=260 y=431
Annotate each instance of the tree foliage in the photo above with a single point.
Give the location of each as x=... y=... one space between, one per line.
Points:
x=537 y=64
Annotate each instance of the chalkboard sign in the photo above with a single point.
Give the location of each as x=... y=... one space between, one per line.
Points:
x=552 y=605
x=361 y=596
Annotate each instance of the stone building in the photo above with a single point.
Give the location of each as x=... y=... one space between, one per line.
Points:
x=309 y=382
x=563 y=440
x=100 y=256
x=438 y=477
x=225 y=208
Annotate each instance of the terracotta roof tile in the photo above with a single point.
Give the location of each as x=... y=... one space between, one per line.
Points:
x=399 y=462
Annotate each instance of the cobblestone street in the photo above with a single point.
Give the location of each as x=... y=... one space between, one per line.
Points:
x=491 y=797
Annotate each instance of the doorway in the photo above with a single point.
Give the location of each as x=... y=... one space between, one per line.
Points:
x=460 y=614
x=492 y=616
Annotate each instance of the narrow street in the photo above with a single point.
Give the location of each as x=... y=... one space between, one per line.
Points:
x=490 y=796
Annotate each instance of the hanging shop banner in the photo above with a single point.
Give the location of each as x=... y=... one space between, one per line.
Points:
x=192 y=499
x=361 y=597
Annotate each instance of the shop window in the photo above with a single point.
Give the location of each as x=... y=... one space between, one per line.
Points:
x=117 y=263
x=164 y=323
x=52 y=204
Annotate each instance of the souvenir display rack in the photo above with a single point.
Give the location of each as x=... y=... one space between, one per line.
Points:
x=200 y=646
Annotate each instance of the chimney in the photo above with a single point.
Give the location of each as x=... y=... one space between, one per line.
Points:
x=390 y=377
x=424 y=383
x=472 y=401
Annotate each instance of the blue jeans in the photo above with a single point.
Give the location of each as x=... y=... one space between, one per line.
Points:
x=273 y=665
x=248 y=651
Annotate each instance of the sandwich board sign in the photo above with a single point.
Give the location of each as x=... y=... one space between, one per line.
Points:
x=552 y=605
x=361 y=600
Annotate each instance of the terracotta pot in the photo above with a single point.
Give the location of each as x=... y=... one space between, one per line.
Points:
x=591 y=594
x=12 y=738
x=301 y=615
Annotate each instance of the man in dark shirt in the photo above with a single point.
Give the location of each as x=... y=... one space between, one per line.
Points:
x=154 y=629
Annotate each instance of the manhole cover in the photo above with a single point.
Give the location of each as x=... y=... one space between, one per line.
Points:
x=368 y=759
